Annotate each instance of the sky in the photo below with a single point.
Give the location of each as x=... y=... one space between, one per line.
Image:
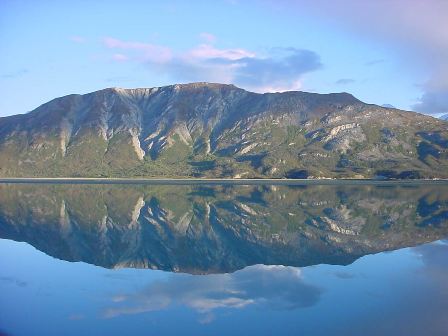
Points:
x=383 y=51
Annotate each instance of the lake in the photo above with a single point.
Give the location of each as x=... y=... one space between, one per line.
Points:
x=211 y=259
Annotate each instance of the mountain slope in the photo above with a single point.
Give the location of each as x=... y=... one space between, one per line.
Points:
x=217 y=130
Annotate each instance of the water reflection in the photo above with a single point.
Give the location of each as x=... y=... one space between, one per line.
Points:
x=273 y=287
x=235 y=237
x=420 y=304
x=405 y=290
x=201 y=229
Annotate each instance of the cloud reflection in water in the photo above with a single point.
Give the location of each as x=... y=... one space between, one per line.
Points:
x=274 y=287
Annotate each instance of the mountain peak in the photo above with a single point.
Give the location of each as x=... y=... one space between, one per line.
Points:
x=218 y=130
x=197 y=85
x=187 y=87
x=348 y=97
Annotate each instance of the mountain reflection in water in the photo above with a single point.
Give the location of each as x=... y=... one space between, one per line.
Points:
x=204 y=229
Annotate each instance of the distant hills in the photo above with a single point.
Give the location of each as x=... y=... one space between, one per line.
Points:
x=217 y=130
x=388 y=106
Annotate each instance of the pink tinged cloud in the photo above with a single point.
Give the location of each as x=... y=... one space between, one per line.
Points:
x=293 y=86
x=147 y=52
x=207 y=37
x=120 y=57
x=281 y=69
x=207 y=51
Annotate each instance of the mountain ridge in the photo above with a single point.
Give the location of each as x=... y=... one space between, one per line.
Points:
x=219 y=130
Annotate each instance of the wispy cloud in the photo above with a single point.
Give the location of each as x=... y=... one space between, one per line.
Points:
x=147 y=52
x=374 y=62
x=207 y=51
x=120 y=57
x=345 y=81
x=277 y=69
x=207 y=37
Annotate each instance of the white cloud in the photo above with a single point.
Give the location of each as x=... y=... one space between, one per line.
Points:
x=207 y=51
x=278 y=69
x=274 y=287
x=120 y=57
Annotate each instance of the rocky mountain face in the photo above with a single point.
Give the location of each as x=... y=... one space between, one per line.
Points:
x=215 y=130
x=216 y=229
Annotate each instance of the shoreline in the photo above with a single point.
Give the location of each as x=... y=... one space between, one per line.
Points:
x=180 y=181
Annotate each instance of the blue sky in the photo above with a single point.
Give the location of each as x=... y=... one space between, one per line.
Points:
x=381 y=51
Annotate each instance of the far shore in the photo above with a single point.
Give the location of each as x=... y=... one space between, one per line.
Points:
x=237 y=181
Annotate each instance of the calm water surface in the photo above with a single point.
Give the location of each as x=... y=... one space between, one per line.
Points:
x=223 y=260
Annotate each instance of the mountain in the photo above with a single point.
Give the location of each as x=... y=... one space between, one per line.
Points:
x=220 y=228
x=216 y=130
x=444 y=117
x=388 y=106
